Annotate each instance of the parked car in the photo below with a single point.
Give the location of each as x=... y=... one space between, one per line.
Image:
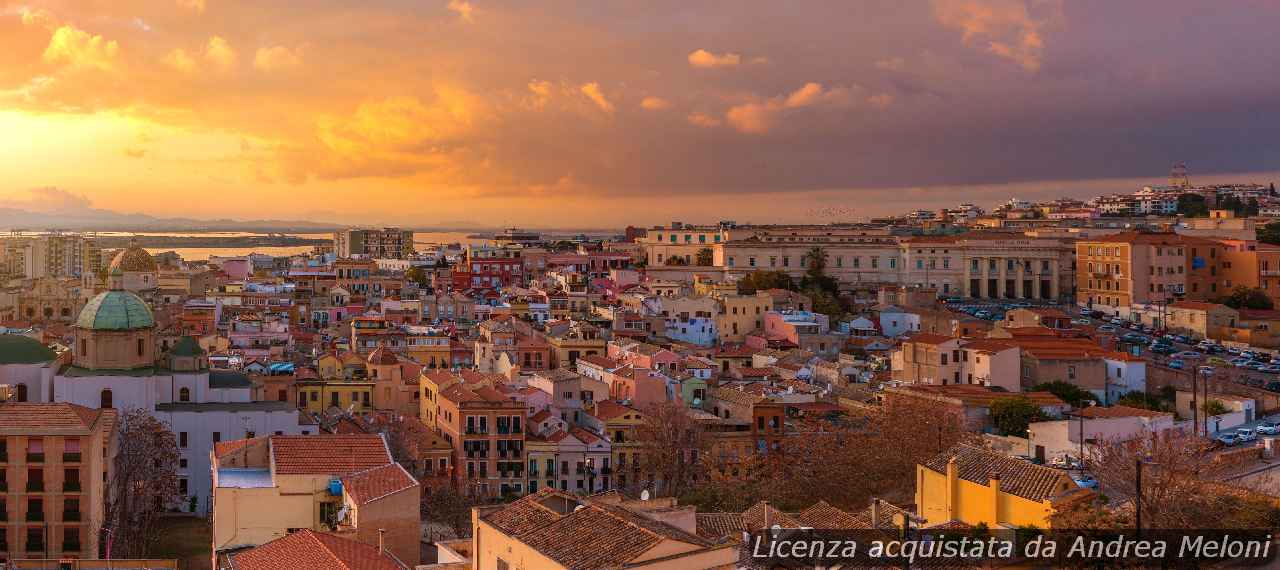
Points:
x=1272 y=369
x=983 y=314
x=1272 y=386
x=1233 y=350
x=1267 y=428
x=1182 y=339
x=1206 y=370
x=1176 y=364
x=1107 y=328
x=1226 y=438
x=1163 y=349
x=1081 y=321
x=1245 y=435
x=1148 y=330
x=1189 y=354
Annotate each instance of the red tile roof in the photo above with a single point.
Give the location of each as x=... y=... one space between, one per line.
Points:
x=328 y=454
x=314 y=551
x=1120 y=412
x=378 y=483
x=608 y=410
x=930 y=338
x=37 y=417
x=224 y=448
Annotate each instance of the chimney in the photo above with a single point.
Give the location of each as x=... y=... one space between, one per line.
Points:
x=875 y=512
x=382 y=549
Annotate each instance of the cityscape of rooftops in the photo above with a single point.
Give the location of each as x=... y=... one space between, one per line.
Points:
x=504 y=285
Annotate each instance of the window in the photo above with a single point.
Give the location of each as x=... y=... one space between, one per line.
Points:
x=141 y=347
x=184 y=395
x=22 y=392
x=104 y=399
x=217 y=436
x=182 y=439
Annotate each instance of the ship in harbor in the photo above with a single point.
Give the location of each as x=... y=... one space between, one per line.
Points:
x=516 y=236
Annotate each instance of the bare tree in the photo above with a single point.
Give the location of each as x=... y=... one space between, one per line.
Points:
x=672 y=446
x=143 y=483
x=446 y=507
x=1181 y=486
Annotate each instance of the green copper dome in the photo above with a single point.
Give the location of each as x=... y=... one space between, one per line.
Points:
x=116 y=311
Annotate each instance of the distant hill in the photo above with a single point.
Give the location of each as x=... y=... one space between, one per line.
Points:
x=107 y=220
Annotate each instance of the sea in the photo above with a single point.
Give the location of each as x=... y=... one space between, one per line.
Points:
x=421 y=240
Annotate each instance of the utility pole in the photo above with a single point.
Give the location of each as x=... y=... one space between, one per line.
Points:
x=1137 y=500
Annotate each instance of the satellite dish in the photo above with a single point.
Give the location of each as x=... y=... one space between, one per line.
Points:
x=644 y=495
x=578 y=508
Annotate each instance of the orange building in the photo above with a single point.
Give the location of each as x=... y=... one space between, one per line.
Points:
x=487 y=431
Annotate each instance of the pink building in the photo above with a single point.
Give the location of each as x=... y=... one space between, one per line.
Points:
x=641 y=386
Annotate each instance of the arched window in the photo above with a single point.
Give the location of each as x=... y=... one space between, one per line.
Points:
x=22 y=392
x=105 y=400
x=184 y=395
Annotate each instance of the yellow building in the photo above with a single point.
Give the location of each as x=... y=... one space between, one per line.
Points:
x=741 y=314
x=551 y=530
x=338 y=364
x=320 y=395
x=979 y=487
x=571 y=340
x=619 y=423
x=266 y=487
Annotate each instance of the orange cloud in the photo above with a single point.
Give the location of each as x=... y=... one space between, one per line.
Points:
x=196 y=6
x=1006 y=28
x=180 y=60
x=758 y=117
x=219 y=52
x=703 y=120
x=77 y=48
x=463 y=9
x=705 y=59
x=277 y=58
x=654 y=103
x=593 y=92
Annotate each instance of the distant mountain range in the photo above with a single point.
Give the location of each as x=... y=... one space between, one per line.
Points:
x=107 y=220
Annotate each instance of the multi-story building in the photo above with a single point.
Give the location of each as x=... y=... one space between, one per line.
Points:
x=680 y=241
x=486 y=429
x=619 y=422
x=934 y=359
x=355 y=276
x=1122 y=270
x=385 y=243
x=56 y=461
x=61 y=255
x=489 y=268
x=506 y=341
x=741 y=314
x=571 y=340
x=979 y=487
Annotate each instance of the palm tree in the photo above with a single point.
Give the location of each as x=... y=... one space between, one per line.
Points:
x=816 y=259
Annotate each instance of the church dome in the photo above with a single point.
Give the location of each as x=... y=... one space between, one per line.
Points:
x=133 y=258
x=116 y=311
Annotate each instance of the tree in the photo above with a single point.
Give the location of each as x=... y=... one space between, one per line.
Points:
x=705 y=257
x=1180 y=484
x=1067 y=392
x=1193 y=206
x=143 y=483
x=1247 y=298
x=1214 y=408
x=1270 y=233
x=671 y=443
x=1136 y=399
x=418 y=275
x=445 y=506
x=820 y=462
x=1011 y=415
x=815 y=276
x=760 y=280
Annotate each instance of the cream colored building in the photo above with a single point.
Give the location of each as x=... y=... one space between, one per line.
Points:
x=267 y=487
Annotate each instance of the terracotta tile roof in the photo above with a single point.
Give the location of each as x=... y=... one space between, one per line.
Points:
x=314 y=551
x=378 y=483
x=1120 y=412
x=583 y=435
x=539 y=417
x=989 y=346
x=717 y=526
x=608 y=409
x=824 y=516
x=930 y=338
x=1196 y=305
x=329 y=454
x=975 y=395
x=601 y=361
x=33 y=416
x=1017 y=477
x=762 y=515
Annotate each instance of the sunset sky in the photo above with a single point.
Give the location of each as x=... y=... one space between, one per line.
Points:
x=594 y=113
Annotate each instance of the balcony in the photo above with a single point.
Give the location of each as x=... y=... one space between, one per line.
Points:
x=35 y=486
x=35 y=458
x=606 y=470
x=35 y=547
x=70 y=547
x=4 y=457
x=35 y=516
x=71 y=516
x=71 y=457
x=71 y=486
x=1270 y=272
x=4 y=486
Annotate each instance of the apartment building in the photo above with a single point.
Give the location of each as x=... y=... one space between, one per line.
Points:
x=934 y=359
x=1134 y=268
x=680 y=241
x=487 y=431
x=385 y=243
x=56 y=458
x=979 y=487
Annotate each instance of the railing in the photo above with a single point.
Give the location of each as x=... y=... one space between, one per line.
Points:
x=71 y=516
x=71 y=547
x=71 y=457
x=35 y=516
x=71 y=486
x=35 y=486
x=35 y=547
x=35 y=458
